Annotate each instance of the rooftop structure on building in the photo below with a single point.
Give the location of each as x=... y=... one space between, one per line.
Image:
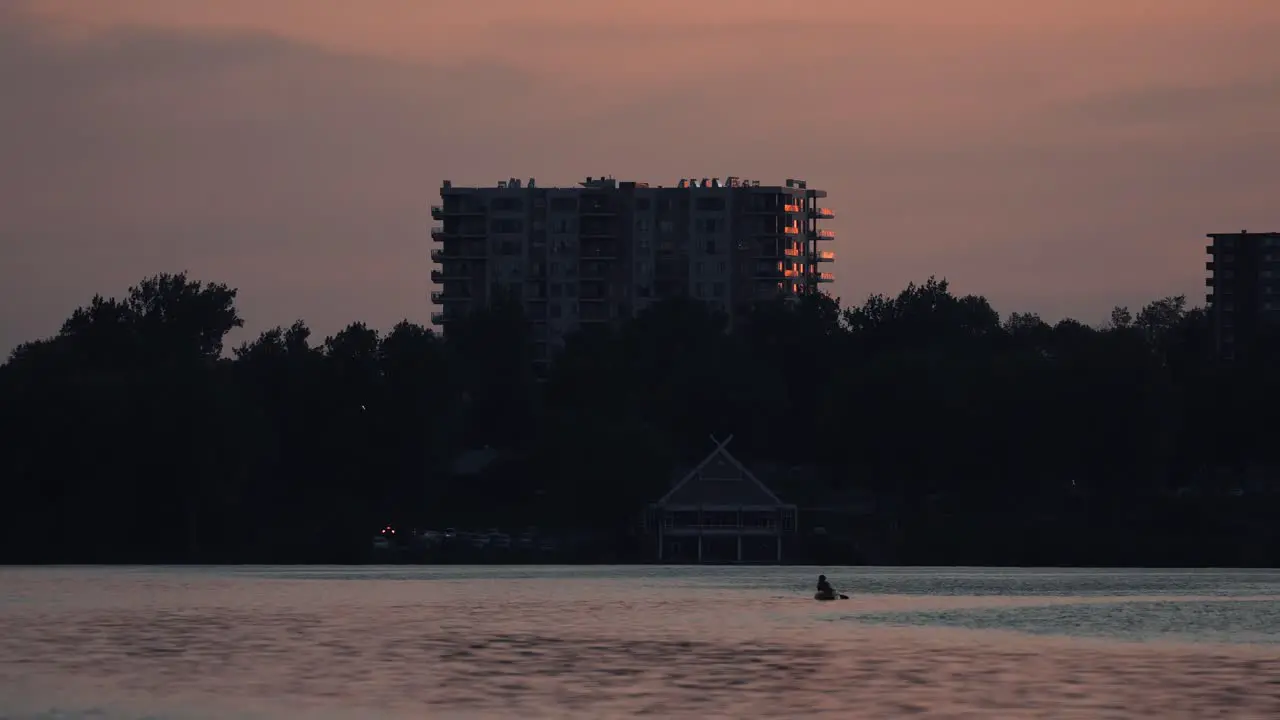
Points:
x=602 y=250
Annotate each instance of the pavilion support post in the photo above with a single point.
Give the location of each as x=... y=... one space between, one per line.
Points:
x=739 y=547
x=699 y=547
x=779 y=546
x=660 y=538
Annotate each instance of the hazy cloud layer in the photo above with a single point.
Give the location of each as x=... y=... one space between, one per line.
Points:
x=1057 y=161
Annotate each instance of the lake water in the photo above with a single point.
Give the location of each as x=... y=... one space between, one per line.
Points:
x=446 y=642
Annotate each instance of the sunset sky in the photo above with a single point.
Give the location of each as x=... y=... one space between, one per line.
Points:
x=1058 y=156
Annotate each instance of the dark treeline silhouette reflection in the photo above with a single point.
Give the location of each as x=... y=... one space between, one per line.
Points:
x=132 y=437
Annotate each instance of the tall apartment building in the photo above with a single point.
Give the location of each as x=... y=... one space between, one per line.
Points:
x=603 y=250
x=1244 y=295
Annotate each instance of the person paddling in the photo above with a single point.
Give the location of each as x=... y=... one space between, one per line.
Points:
x=824 y=587
x=826 y=592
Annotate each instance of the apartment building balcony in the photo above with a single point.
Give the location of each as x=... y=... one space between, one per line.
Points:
x=450 y=272
x=776 y=273
x=792 y=208
x=824 y=256
x=822 y=214
x=456 y=250
x=825 y=277
x=1208 y=265
x=588 y=233
x=445 y=317
x=1208 y=282
x=791 y=230
x=824 y=235
x=458 y=208
x=1208 y=249
x=437 y=233
x=439 y=297
x=791 y=252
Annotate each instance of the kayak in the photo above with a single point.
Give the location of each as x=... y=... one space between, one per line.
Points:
x=824 y=596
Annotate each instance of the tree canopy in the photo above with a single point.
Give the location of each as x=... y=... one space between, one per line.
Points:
x=134 y=436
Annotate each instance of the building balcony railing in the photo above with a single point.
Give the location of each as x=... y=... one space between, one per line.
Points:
x=823 y=214
x=477 y=252
x=791 y=208
x=439 y=297
x=824 y=256
x=1208 y=282
x=826 y=277
x=825 y=235
x=1208 y=265
x=437 y=212
x=791 y=230
x=1208 y=249
x=437 y=233
x=791 y=252
x=440 y=276
x=443 y=318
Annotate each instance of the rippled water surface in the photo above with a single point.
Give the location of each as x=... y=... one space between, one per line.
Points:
x=617 y=642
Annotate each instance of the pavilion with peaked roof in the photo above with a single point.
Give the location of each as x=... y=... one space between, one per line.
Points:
x=720 y=512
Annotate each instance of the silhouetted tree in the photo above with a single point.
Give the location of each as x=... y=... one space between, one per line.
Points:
x=133 y=438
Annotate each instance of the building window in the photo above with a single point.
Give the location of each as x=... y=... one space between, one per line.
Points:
x=555 y=311
x=564 y=204
x=722 y=266
x=506 y=225
x=570 y=290
x=667 y=226
x=711 y=247
x=697 y=268
x=643 y=203
x=717 y=289
x=556 y=290
x=699 y=291
x=642 y=224
x=710 y=204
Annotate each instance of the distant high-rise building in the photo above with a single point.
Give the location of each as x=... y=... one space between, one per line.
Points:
x=1244 y=296
x=602 y=251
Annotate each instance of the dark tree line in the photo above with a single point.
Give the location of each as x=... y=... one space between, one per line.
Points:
x=132 y=436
